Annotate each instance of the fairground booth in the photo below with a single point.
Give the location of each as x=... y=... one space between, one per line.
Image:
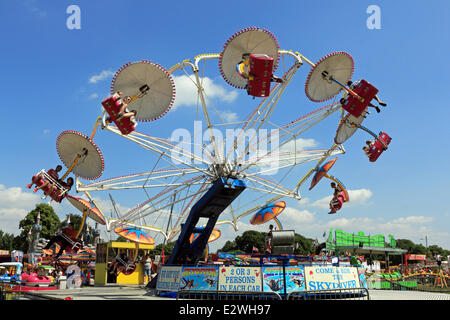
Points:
x=118 y=262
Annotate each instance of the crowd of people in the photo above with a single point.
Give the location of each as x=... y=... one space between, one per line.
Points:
x=54 y=275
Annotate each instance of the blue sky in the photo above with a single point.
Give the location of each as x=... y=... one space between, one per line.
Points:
x=46 y=88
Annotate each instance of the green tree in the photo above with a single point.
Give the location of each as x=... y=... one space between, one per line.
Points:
x=250 y=239
x=411 y=247
x=434 y=250
x=304 y=246
x=6 y=241
x=168 y=248
x=49 y=222
x=419 y=249
x=229 y=246
x=414 y=248
x=121 y=239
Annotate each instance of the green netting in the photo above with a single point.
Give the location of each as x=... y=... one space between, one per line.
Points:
x=355 y=239
x=409 y=284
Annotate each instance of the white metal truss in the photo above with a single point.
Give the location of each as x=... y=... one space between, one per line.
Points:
x=183 y=180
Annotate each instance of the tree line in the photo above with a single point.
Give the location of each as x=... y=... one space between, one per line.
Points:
x=50 y=223
x=248 y=242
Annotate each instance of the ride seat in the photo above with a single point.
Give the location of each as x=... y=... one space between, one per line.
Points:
x=70 y=250
x=112 y=106
x=40 y=182
x=53 y=182
x=260 y=72
x=58 y=197
x=337 y=205
x=127 y=270
x=73 y=246
x=352 y=104
x=377 y=148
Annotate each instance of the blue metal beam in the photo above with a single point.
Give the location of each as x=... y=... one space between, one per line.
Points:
x=210 y=206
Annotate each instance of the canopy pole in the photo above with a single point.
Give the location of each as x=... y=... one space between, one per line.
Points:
x=74 y=163
x=348 y=90
x=94 y=130
x=280 y=226
x=371 y=133
x=82 y=223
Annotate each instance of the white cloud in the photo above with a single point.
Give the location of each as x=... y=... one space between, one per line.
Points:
x=323 y=203
x=34 y=9
x=14 y=197
x=229 y=116
x=298 y=144
x=12 y=214
x=304 y=201
x=14 y=206
x=187 y=91
x=46 y=131
x=101 y=76
x=93 y=96
x=357 y=198
x=297 y=217
x=414 y=220
x=350 y=224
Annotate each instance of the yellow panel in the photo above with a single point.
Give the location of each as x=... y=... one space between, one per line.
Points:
x=100 y=274
x=129 y=245
x=137 y=277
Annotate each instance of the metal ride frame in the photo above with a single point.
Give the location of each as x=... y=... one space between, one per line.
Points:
x=332 y=294
x=191 y=179
x=53 y=182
